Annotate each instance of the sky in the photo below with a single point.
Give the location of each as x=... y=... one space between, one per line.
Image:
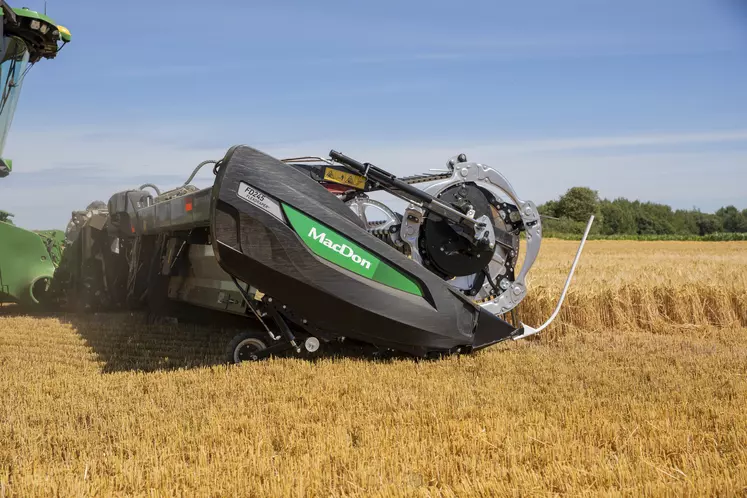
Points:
x=641 y=99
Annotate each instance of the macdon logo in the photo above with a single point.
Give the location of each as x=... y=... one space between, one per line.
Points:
x=343 y=249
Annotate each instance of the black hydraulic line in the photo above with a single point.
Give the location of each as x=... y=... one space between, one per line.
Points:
x=381 y=176
x=387 y=179
x=141 y=187
x=199 y=166
x=247 y=300
x=282 y=325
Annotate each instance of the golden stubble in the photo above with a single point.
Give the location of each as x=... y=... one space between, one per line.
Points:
x=626 y=396
x=661 y=287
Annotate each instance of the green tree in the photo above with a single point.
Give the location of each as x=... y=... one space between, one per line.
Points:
x=686 y=221
x=708 y=223
x=6 y=217
x=617 y=218
x=550 y=208
x=578 y=203
x=625 y=217
x=653 y=218
x=732 y=219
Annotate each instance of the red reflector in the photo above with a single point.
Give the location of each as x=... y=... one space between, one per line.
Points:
x=188 y=205
x=336 y=188
x=133 y=228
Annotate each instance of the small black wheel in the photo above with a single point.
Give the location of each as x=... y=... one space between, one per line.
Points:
x=245 y=346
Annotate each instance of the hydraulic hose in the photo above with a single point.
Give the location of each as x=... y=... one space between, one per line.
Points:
x=158 y=191
x=199 y=166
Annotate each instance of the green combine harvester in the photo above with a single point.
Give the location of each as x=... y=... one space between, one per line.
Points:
x=27 y=259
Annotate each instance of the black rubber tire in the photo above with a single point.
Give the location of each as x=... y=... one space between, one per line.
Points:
x=243 y=345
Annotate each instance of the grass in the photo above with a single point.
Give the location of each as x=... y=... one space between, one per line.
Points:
x=105 y=406
x=711 y=237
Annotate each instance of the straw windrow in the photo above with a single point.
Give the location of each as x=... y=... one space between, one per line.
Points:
x=657 y=287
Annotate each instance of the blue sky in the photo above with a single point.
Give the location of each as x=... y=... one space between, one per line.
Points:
x=639 y=99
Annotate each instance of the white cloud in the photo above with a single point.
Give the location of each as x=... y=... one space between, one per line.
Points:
x=76 y=166
x=580 y=143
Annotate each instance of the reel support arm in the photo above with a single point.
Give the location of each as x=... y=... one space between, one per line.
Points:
x=412 y=194
x=526 y=330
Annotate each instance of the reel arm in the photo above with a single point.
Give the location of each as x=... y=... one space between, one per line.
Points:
x=405 y=190
x=479 y=232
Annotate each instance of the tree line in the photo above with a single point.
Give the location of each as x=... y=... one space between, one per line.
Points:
x=569 y=214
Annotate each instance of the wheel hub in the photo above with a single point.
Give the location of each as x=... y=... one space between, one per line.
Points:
x=247 y=349
x=448 y=252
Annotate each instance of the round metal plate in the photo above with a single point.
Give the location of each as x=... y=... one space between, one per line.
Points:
x=449 y=252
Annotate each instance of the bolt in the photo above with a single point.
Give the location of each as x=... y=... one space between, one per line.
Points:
x=269 y=299
x=505 y=284
x=528 y=210
x=305 y=321
x=464 y=171
x=517 y=290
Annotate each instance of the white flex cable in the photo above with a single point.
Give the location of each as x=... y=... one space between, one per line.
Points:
x=528 y=331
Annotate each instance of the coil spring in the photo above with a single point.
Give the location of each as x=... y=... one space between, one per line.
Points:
x=385 y=235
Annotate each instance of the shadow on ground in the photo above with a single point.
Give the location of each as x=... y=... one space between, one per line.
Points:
x=124 y=341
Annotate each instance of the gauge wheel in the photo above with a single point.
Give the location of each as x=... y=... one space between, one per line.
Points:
x=245 y=346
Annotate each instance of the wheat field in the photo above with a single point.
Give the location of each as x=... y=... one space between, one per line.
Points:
x=661 y=287
x=641 y=390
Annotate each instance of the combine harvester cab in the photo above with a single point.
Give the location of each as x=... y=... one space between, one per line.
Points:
x=27 y=259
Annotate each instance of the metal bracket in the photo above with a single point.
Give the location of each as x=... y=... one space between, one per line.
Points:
x=410 y=231
x=248 y=301
x=280 y=322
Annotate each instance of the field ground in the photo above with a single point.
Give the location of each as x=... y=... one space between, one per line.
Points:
x=640 y=391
